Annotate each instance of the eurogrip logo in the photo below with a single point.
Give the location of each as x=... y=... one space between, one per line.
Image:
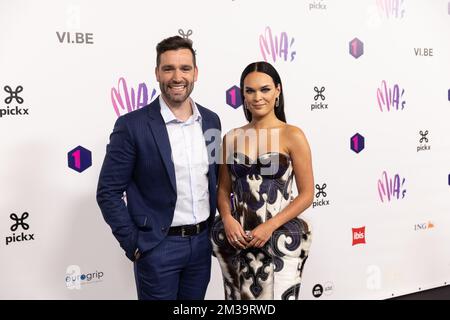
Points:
x=12 y=101
x=75 y=278
x=19 y=222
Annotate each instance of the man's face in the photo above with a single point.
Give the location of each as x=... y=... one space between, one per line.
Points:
x=176 y=75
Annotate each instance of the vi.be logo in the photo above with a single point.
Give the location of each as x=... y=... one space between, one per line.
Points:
x=19 y=224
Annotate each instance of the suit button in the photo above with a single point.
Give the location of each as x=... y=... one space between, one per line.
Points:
x=163 y=229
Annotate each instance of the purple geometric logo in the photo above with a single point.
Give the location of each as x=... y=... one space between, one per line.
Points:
x=234 y=98
x=357 y=143
x=448 y=94
x=79 y=159
x=356 y=48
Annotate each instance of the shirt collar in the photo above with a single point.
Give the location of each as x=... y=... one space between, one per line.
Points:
x=169 y=117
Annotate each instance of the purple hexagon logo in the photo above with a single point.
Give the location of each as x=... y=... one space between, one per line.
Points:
x=79 y=159
x=234 y=98
x=357 y=143
x=356 y=48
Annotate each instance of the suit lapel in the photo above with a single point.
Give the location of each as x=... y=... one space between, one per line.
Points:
x=159 y=130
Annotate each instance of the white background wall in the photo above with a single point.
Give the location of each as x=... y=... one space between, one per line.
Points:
x=67 y=89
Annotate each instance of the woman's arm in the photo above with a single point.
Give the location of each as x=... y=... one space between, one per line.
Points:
x=233 y=228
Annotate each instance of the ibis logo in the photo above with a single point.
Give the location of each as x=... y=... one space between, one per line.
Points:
x=358 y=235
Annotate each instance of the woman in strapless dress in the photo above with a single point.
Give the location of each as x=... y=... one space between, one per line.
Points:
x=259 y=239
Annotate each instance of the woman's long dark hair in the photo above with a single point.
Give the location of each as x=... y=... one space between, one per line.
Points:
x=267 y=68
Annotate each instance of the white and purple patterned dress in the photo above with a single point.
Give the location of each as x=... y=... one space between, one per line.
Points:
x=261 y=189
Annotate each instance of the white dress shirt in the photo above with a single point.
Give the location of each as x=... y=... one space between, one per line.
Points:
x=190 y=159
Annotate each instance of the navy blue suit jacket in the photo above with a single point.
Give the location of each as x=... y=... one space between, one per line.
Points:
x=138 y=161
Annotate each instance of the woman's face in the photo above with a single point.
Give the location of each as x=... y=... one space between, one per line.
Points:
x=260 y=93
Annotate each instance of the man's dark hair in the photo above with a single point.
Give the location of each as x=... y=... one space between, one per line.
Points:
x=174 y=43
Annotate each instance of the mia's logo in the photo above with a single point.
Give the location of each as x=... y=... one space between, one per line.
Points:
x=423 y=146
x=276 y=47
x=125 y=99
x=391 y=9
x=390 y=97
x=391 y=187
x=19 y=222
x=359 y=235
x=13 y=96
x=321 y=193
x=319 y=96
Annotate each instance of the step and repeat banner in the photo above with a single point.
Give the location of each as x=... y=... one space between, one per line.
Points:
x=367 y=81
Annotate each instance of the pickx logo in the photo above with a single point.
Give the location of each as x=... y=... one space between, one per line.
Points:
x=19 y=222
x=13 y=96
x=359 y=235
x=423 y=146
x=319 y=5
x=319 y=96
x=321 y=193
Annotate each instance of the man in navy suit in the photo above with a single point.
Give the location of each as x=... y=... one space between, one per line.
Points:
x=162 y=157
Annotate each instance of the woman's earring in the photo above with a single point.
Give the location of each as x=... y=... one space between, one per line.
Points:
x=277 y=102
